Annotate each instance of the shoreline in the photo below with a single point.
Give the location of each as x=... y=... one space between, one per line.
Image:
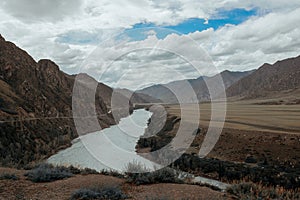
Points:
x=239 y=154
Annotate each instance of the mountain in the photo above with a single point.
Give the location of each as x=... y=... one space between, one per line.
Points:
x=186 y=87
x=268 y=80
x=36 y=106
x=136 y=97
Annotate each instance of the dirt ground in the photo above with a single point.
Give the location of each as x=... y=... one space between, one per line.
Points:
x=247 y=115
x=270 y=132
x=62 y=189
x=263 y=131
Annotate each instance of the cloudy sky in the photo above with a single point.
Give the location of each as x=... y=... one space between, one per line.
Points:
x=135 y=43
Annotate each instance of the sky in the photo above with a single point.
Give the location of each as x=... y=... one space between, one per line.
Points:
x=136 y=43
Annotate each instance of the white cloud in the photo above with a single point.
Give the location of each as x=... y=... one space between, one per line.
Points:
x=68 y=31
x=258 y=40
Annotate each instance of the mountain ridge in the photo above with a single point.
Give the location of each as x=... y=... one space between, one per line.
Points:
x=283 y=75
x=199 y=86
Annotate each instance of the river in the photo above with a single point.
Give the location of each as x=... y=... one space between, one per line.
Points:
x=109 y=149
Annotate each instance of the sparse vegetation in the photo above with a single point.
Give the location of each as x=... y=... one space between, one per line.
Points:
x=106 y=192
x=142 y=177
x=112 y=173
x=249 y=190
x=8 y=176
x=47 y=173
x=267 y=174
x=136 y=167
x=84 y=171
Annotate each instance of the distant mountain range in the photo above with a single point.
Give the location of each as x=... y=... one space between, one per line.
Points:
x=199 y=86
x=137 y=97
x=268 y=80
x=279 y=79
x=36 y=100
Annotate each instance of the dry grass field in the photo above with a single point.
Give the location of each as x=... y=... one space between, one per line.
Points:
x=263 y=131
x=248 y=115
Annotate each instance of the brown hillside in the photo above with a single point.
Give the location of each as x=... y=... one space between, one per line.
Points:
x=36 y=107
x=268 y=79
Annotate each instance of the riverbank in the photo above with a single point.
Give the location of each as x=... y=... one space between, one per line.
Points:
x=245 y=154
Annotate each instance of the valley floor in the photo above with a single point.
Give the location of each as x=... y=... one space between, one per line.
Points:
x=260 y=142
x=267 y=133
x=264 y=131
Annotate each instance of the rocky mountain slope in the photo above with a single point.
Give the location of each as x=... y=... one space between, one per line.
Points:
x=199 y=85
x=268 y=80
x=36 y=107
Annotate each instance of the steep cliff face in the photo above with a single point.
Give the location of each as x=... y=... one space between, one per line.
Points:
x=36 y=107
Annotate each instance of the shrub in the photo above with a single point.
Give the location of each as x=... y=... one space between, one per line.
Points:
x=136 y=167
x=241 y=189
x=74 y=170
x=258 y=191
x=7 y=176
x=84 y=171
x=87 y=171
x=47 y=173
x=111 y=173
x=165 y=175
x=110 y=192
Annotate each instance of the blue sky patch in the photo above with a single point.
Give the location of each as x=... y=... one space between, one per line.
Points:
x=141 y=31
x=220 y=19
